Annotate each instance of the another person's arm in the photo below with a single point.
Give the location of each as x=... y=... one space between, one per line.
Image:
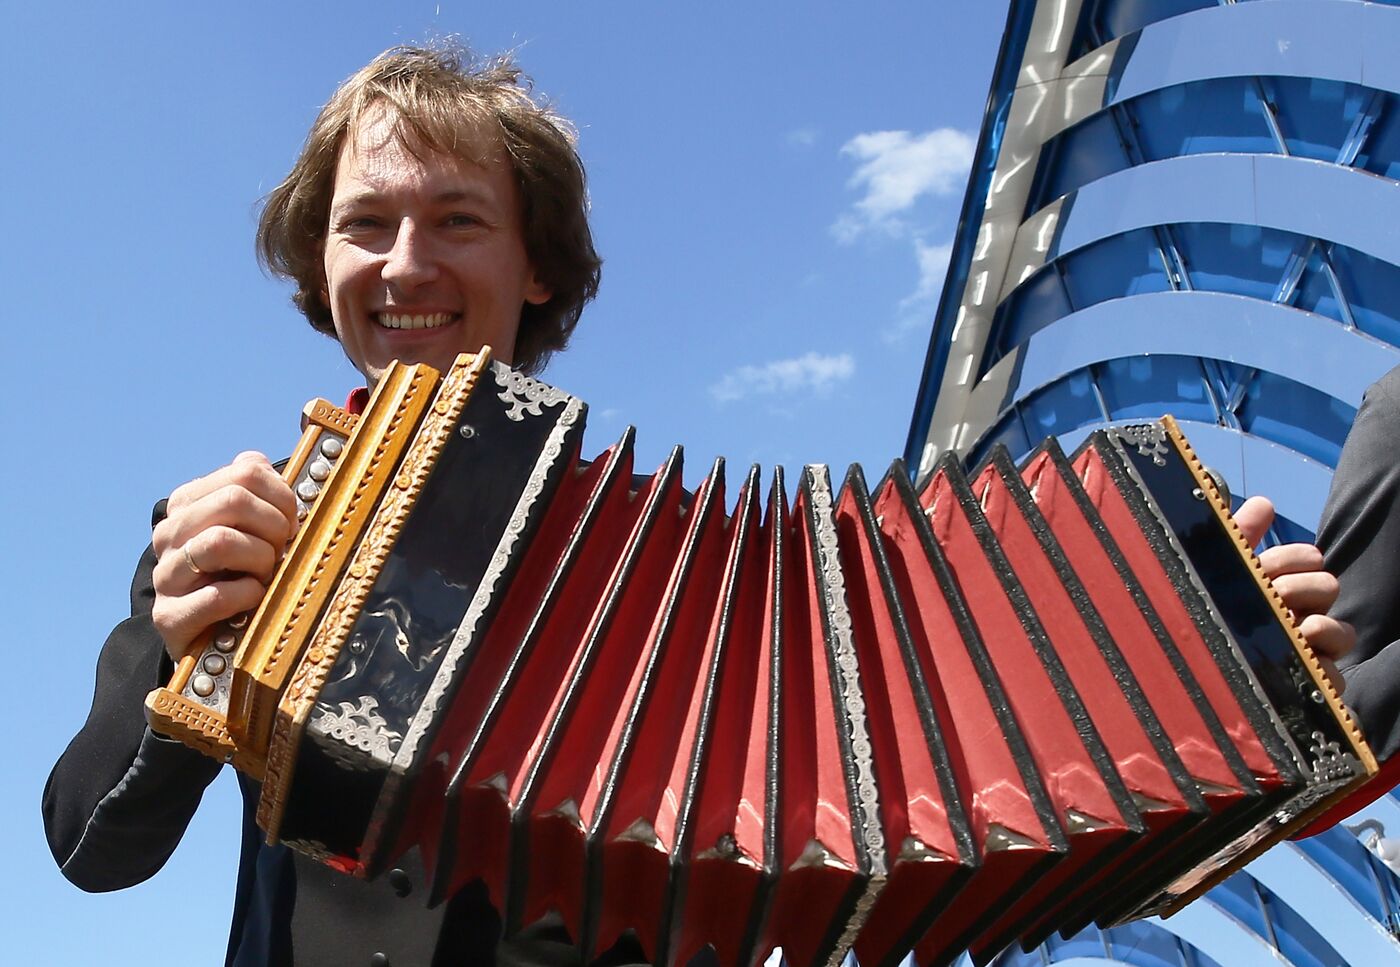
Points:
x=1360 y=539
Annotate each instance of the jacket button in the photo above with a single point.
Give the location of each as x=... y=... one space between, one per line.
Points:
x=379 y=959
x=401 y=883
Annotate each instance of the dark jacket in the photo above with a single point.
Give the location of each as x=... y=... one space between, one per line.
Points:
x=120 y=797
x=1360 y=539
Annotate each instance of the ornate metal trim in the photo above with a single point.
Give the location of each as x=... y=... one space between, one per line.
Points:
x=356 y=727
x=1149 y=438
x=853 y=701
x=523 y=394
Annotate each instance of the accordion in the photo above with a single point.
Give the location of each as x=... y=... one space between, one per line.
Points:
x=928 y=719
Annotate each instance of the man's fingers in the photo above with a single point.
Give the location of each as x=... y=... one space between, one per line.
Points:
x=1329 y=637
x=210 y=554
x=1312 y=592
x=232 y=506
x=249 y=471
x=1291 y=559
x=1255 y=516
x=181 y=619
x=218 y=546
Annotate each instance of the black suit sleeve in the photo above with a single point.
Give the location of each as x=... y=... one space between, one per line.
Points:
x=1360 y=538
x=120 y=797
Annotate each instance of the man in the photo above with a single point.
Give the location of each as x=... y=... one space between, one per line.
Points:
x=435 y=208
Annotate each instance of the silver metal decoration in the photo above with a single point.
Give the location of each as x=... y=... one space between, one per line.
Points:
x=523 y=394
x=357 y=726
x=848 y=682
x=1150 y=440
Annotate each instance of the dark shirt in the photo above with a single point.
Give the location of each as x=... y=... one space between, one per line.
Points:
x=120 y=797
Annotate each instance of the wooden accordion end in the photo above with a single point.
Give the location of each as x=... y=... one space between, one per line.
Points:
x=1003 y=705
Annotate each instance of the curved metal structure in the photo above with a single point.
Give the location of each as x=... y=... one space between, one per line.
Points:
x=1178 y=205
x=1190 y=206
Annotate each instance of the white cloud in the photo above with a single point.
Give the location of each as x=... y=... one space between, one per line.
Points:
x=933 y=267
x=895 y=169
x=917 y=308
x=812 y=372
x=802 y=137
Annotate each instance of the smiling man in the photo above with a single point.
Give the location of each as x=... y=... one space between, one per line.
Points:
x=425 y=256
x=435 y=208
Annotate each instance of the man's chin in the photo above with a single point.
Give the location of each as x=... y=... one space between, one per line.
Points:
x=438 y=361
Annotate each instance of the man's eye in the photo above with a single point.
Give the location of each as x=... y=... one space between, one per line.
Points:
x=357 y=223
x=462 y=220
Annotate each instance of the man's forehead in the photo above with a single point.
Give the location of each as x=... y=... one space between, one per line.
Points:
x=462 y=138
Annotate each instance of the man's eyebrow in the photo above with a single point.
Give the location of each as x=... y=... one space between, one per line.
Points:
x=464 y=194
x=448 y=196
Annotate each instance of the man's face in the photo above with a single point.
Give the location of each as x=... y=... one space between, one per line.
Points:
x=425 y=258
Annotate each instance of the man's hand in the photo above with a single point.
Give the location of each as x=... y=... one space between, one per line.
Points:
x=1296 y=570
x=218 y=547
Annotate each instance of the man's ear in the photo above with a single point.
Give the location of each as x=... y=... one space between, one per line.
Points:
x=536 y=292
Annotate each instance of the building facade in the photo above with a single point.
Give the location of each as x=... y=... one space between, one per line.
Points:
x=1190 y=206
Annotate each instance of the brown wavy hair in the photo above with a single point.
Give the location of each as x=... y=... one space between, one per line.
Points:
x=447 y=101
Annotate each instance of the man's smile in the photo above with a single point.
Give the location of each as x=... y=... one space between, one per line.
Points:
x=430 y=320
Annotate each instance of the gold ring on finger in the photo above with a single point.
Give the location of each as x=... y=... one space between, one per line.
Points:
x=185 y=549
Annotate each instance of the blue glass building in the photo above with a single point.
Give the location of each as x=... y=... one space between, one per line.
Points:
x=1190 y=206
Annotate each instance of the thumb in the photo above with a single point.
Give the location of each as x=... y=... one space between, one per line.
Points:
x=1254 y=517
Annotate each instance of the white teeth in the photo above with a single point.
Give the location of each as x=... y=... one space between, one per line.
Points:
x=431 y=321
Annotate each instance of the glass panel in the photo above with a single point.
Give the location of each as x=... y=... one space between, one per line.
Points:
x=1347 y=862
x=1123 y=265
x=1012 y=956
x=1297 y=416
x=1148 y=386
x=1114 y=18
x=1205 y=116
x=1231 y=380
x=1086 y=943
x=1316 y=115
x=1314 y=291
x=1036 y=303
x=1236 y=897
x=1084 y=153
x=1145 y=945
x=1008 y=431
x=1242 y=259
x=1065 y=404
x=1297 y=940
x=1286 y=531
x=1380 y=153
x=1372 y=290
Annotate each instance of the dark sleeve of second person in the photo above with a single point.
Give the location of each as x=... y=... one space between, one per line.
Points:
x=1360 y=538
x=120 y=797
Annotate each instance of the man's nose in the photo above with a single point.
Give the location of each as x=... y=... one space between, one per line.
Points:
x=409 y=263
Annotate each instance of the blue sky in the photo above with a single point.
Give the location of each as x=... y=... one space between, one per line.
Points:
x=774 y=189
